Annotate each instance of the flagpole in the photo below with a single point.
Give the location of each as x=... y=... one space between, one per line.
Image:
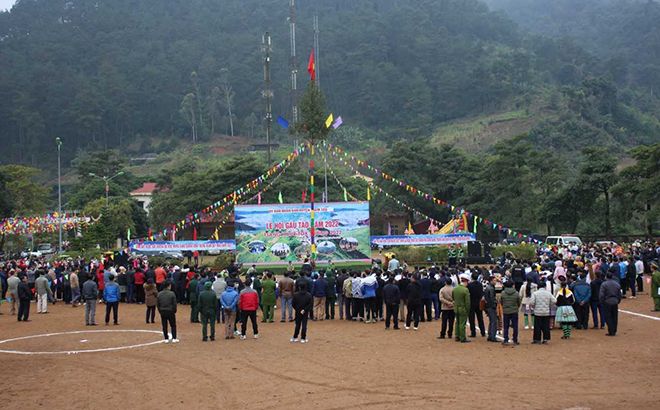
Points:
x=311 y=188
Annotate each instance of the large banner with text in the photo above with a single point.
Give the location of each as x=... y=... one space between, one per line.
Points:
x=423 y=240
x=180 y=246
x=268 y=234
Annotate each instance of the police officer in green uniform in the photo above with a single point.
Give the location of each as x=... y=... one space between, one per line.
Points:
x=208 y=307
x=461 y=296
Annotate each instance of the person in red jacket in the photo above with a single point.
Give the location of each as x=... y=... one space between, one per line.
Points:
x=161 y=276
x=139 y=286
x=100 y=280
x=248 y=302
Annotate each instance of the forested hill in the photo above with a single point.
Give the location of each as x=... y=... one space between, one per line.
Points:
x=107 y=73
x=626 y=30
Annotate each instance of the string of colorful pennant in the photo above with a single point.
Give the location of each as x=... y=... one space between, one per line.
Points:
x=257 y=196
x=230 y=198
x=378 y=189
x=338 y=152
x=42 y=224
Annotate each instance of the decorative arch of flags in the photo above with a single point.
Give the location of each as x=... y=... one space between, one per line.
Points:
x=229 y=199
x=43 y=224
x=376 y=189
x=257 y=196
x=343 y=155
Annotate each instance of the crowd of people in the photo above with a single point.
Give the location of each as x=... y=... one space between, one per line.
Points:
x=562 y=287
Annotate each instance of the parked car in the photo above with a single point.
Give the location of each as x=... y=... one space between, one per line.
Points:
x=563 y=240
x=46 y=248
x=160 y=254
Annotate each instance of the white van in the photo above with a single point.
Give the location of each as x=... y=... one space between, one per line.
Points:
x=563 y=240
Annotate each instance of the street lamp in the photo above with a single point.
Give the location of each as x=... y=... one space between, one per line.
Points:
x=107 y=185
x=58 y=140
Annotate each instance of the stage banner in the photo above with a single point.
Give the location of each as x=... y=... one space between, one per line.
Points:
x=422 y=240
x=275 y=233
x=155 y=246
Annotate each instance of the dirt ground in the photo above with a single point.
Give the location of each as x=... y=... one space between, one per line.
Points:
x=345 y=365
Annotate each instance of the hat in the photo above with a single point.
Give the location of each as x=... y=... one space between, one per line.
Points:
x=654 y=265
x=464 y=279
x=208 y=285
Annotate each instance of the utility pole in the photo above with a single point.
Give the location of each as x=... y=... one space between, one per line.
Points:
x=294 y=70
x=268 y=94
x=59 y=189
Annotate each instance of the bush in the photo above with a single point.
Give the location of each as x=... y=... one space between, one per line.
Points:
x=522 y=251
x=223 y=260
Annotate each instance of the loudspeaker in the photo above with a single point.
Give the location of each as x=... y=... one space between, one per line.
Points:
x=474 y=248
x=487 y=250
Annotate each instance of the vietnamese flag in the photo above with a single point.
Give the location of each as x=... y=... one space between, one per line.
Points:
x=311 y=67
x=194 y=234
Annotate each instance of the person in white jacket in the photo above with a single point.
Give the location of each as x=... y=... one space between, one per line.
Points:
x=541 y=302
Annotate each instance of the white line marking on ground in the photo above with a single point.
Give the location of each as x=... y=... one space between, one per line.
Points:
x=639 y=314
x=107 y=349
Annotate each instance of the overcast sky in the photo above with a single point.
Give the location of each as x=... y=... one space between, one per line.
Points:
x=6 y=4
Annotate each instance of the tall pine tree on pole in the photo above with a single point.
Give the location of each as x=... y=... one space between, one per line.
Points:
x=312 y=126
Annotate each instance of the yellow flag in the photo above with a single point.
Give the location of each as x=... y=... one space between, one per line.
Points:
x=328 y=122
x=216 y=235
x=368 y=194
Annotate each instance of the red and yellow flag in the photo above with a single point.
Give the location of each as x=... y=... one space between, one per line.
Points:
x=311 y=67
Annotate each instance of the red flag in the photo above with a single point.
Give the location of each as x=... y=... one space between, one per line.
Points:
x=194 y=234
x=304 y=195
x=311 y=67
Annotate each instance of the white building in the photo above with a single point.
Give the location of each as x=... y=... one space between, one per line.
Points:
x=144 y=195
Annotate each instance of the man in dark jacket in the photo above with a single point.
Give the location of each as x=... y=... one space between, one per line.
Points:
x=331 y=295
x=476 y=294
x=582 y=293
x=166 y=304
x=130 y=285
x=414 y=291
x=631 y=274
x=302 y=304
x=435 y=298
x=491 y=309
x=90 y=294
x=609 y=297
x=194 y=298
x=510 y=299
x=518 y=275
x=24 y=296
x=425 y=283
x=208 y=308
x=392 y=297
x=596 y=307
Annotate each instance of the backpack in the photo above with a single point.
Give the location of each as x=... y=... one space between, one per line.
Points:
x=348 y=288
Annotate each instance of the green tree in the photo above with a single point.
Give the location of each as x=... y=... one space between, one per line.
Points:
x=638 y=184
x=313 y=115
x=598 y=175
x=27 y=197
x=117 y=218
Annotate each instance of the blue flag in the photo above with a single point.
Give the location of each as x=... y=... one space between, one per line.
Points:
x=284 y=123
